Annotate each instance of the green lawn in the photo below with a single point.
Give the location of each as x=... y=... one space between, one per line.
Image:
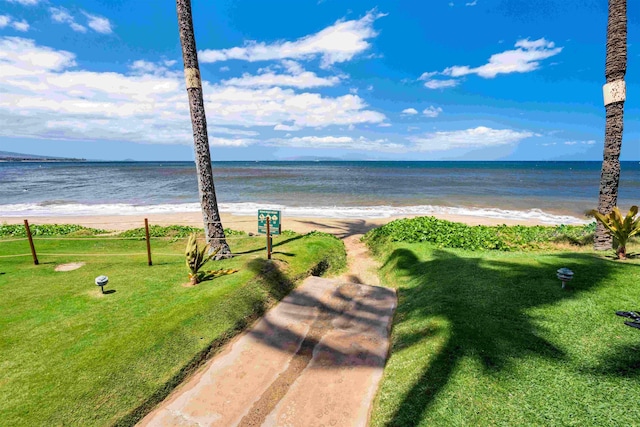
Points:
x=489 y=338
x=72 y=356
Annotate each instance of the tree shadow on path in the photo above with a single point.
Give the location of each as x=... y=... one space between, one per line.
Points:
x=485 y=303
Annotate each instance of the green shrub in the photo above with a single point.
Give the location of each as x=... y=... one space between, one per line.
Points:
x=48 y=230
x=447 y=234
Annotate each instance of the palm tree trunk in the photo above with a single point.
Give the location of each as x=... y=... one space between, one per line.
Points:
x=615 y=69
x=214 y=231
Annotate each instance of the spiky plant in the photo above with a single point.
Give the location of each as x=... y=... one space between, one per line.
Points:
x=621 y=229
x=197 y=257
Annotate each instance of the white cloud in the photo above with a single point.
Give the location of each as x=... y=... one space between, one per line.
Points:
x=589 y=142
x=45 y=95
x=343 y=142
x=25 y=2
x=472 y=3
x=224 y=69
x=432 y=111
x=98 y=24
x=286 y=128
x=370 y=87
x=470 y=138
x=62 y=16
x=20 y=25
x=525 y=58
x=410 y=111
x=303 y=80
x=337 y=43
x=441 y=84
x=8 y=21
x=227 y=142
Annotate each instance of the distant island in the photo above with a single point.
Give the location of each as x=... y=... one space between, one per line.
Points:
x=7 y=156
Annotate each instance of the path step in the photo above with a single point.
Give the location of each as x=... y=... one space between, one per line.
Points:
x=314 y=359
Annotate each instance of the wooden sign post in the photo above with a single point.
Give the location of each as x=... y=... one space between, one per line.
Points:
x=146 y=232
x=269 y=223
x=33 y=248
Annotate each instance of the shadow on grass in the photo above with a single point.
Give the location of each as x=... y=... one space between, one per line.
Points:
x=342 y=229
x=264 y=248
x=622 y=361
x=484 y=302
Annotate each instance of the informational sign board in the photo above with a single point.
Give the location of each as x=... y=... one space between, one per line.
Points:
x=273 y=217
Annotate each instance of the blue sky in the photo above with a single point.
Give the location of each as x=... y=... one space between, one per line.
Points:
x=429 y=80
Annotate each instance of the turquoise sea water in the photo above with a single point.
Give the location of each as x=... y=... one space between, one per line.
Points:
x=543 y=190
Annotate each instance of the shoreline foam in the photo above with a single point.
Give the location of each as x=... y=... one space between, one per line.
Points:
x=537 y=216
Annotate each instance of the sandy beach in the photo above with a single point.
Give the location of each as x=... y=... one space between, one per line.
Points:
x=341 y=227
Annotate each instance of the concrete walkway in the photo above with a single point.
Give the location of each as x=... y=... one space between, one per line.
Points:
x=314 y=360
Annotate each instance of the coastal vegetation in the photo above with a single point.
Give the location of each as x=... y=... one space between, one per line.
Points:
x=447 y=234
x=489 y=337
x=74 y=356
x=621 y=229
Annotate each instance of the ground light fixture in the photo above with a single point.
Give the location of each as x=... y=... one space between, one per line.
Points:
x=565 y=275
x=102 y=281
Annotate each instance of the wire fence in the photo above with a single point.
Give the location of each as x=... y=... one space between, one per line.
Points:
x=148 y=239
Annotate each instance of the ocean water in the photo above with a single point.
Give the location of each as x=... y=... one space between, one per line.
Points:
x=552 y=192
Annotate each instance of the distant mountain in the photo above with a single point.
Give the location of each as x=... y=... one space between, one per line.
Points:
x=7 y=156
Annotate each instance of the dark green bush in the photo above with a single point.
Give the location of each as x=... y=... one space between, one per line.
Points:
x=449 y=234
x=175 y=231
x=48 y=230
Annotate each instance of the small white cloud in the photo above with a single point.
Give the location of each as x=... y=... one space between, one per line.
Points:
x=410 y=111
x=469 y=138
x=344 y=142
x=384 y=125
x=370 y=87
x=353 y=90
x=98 y=24
x=224 y=69
x=525 y=58
x=441 y=84
x=337 y=43
x=589 y=142
x=427 y=75
x=169 y=62
x=228 y=142
x=8 y=21
x=286 y=128
x=62 y=16
x=432 y=111
x=303 y=80
x=20 y=25
x=548 y=144
x=412 y=128
x=472 y=3
x=25 y=2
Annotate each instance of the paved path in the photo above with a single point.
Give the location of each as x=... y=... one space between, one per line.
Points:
x=314 y=360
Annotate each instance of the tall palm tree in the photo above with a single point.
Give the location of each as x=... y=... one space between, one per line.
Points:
x=614 y=97
x=214 y=231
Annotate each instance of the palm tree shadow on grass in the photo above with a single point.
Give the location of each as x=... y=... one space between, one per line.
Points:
x=485 y=304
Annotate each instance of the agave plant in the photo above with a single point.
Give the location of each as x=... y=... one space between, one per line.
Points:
x=620 y=228
x=197 y=257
